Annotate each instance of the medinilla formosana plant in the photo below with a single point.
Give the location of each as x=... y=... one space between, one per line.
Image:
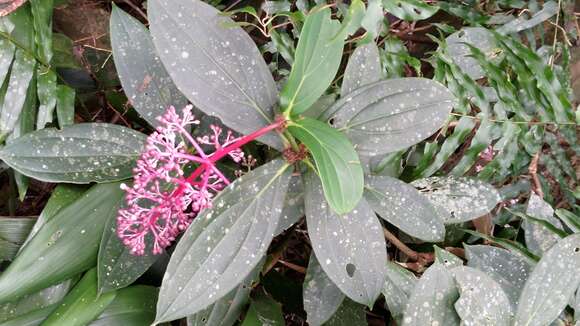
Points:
x=202 y=83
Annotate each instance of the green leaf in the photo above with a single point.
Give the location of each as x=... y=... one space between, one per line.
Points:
x=62 y=196
x=32 y=318
x=363 y=68
x=446 y=258
x=351 y=248
x=372 y=22
x=570 y=219
x=219 y=69
x=432 y=299
x=47 y=88
x=410 y=9
x=224 y=244
x=321 y=296
x=316 y=62
x=403 y=206
x=538 y=237
x=264 y=311
x=392 y=114
x=460 y=53
x=481 y=299
x=509 y=270
x=63 y=57
x=352 y=18
x=13 y=233
x=348 y=314
x=336 y=161
x=47 y=298
x=227 y=310
x=132 y=306
x=458 y=199
x=116 y=266
x=511 y=245
x=551 y=284
x=144 y=79
x=82 y=305
x=81 y=153
x=521 y=23
x=20 y=76
x=65 y=246
x=293 y=209
x=65 y=105
x=399 y=285
x=42 y=21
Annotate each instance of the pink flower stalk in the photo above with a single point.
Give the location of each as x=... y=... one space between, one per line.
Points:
x=163 y=201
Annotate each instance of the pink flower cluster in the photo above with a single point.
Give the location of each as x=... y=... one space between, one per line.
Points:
x=162 y=201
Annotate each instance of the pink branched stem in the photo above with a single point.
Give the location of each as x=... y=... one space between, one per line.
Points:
x=162 y=202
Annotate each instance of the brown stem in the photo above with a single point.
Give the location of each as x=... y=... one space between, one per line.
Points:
x=533 y=170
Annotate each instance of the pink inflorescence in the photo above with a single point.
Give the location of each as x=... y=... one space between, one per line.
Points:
x=163 y=201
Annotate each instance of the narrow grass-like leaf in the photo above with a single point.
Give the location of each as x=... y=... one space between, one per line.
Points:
x=216 y=66
x=65 y=105
x=53 y=255
x=432 y=299
x=403 y=206
x=350 y=247
x=144 y=79
x=80 y=153
x=509 y=270
x=511 y=245
x=337 y=163
x=519 y=24
x=13 y=233
x=224 y=244
x=551 y=284
x=132 y=306
x=392 y=114
x=322 y=297
x=47 y=88
x=570 y=219
x=316 y=62
x=481 y=299
x=82 y=305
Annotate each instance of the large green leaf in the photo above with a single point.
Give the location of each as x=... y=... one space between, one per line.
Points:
x=431 y=302
x=551 y=284
x=458 y=199
x=459 y=51
x=446 y=258
x=65 y=246
x=217 y=66
x=144 y=79
x=227 y=310
x=363 y=68
x=398 y=287
x=350 y=248
x=348 y=314
x=80 y=153
x=13 y=233
x=116 y=266
x=336 y=161
x=33 y=318
x=321 y=296
x=293 y=209
x=391 y=114
x=481 y=299
x=42 y=21
x=224 y=244
x=410 y=9
x=316 y=62
x=132 y=306
x=82 y=305
x=510 y=271
x=403 y=206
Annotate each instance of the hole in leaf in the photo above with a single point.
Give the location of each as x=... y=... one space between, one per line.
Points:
x=576 y=249
x=417 y=11
x=331 y=121
x=461 y=34
x=350 y=269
